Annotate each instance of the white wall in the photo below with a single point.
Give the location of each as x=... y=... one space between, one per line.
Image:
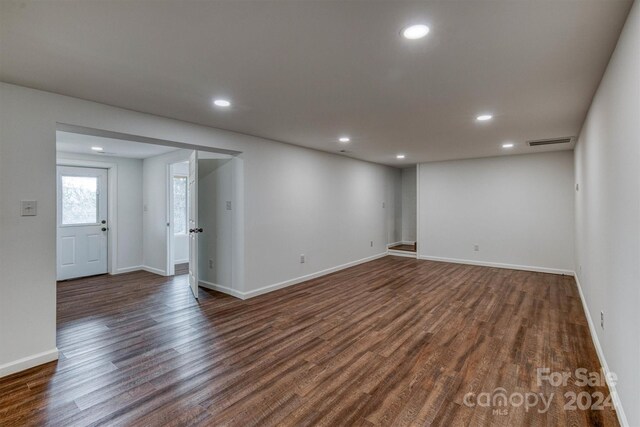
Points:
x=327 y=207
x=215 y=188
x=155 y=204
x=297 y=201
x=409 y=204
x=607 y=162
x=129 y=207
x=518 y=209
x=180 y=241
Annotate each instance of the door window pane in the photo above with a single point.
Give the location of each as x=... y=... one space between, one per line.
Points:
x=79 y=200
x=180 y=204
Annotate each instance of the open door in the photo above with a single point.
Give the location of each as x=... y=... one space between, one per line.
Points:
x=193 y=223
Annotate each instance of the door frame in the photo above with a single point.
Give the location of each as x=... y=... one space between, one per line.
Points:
x=170 y=269
x=112 y=212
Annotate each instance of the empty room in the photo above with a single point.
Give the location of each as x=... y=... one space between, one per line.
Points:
x=320 y=212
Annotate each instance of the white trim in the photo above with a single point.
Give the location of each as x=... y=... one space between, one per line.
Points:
x=153 y=270
x=419 y=244
x=28 y=362
x=220 y=288
x=170 y=236
x=499 y=265
x=181 y=261
x=291 y=282
x=394 y=244
x=128 y=269
x=406 y=254
x=615 y=398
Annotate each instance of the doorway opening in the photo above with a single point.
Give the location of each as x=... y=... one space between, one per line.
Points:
x=407 y=246
x=126 y=205
x=179 y=216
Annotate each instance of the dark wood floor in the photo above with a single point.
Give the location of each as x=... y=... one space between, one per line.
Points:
x=395 y=341
x=181 y=268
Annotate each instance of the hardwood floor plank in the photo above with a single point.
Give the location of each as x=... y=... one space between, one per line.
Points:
x=396 y=341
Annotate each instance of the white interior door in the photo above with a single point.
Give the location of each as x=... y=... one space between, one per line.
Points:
x=193 y=223
x=82 y=222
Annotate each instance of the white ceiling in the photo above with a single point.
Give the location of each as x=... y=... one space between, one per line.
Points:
x=77 y=143
x=305 y=72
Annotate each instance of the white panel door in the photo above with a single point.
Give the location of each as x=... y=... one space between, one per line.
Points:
x=82 y=222
x=193 y=223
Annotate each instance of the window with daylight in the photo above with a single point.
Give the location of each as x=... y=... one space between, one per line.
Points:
x=180 y=205
x=79 y=200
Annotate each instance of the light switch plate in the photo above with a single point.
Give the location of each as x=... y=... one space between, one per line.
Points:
x=29 y=208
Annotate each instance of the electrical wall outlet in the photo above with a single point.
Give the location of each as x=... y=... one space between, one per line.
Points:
x=210 y=263
x=476 y=248
x=301 y=258
x=372 y=243
x=602 y=319
x=228 y=205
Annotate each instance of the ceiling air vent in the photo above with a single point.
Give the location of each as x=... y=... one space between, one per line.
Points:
x=552 y=141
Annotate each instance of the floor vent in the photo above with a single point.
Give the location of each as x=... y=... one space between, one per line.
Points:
x=552 y=141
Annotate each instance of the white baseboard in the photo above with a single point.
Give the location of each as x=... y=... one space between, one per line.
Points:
x=394 y=244
x=223 y=289
x=153 y=270
x=128 y=269
x=291 y=282
x=181 y=261
x=402 y=253
x=615 y=398
x=499 y=265
x=28 y=362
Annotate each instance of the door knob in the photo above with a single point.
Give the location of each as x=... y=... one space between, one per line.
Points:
x=104 y=228
x=199 y=230
x=104 y=221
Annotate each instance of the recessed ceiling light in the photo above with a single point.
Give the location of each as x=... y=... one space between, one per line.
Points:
x=97 y=148
x=222 y=103
x=484 y=117
x=344 y=139
x=400 y=156
x=415 y=32
x=507 y=145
